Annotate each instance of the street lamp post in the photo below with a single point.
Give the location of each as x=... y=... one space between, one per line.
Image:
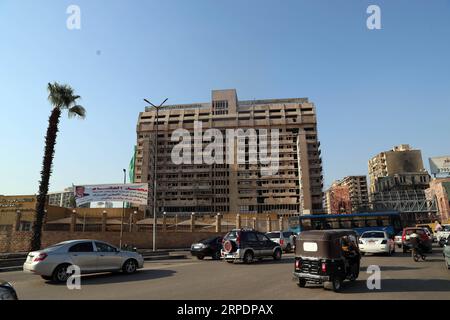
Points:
x=123 y=210
x=155 y=159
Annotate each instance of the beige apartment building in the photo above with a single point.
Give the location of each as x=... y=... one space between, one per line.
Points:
x=239 y=185
x=399 y=169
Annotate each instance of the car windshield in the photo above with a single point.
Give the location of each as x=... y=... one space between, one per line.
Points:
x=273 y=235
x=373 y=234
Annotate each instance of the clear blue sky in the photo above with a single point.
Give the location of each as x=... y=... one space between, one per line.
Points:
x=372 y=89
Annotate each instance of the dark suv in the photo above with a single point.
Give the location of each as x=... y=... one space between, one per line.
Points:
x=247 y=245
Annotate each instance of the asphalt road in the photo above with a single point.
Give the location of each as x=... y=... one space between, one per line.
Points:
x=401 y=278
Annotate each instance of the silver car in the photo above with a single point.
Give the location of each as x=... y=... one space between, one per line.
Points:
x=284 y=238
x=91 y=256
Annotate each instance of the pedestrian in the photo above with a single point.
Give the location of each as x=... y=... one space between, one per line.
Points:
x=438 y=226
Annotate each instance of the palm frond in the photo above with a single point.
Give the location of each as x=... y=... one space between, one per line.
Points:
x=77 y=111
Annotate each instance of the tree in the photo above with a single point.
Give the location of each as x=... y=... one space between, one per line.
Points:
x=61 y=98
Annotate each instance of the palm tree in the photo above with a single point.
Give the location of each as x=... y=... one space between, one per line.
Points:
x=61 y=97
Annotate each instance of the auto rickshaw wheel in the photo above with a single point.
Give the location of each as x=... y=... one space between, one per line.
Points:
x=301 y=283
x=335 y=284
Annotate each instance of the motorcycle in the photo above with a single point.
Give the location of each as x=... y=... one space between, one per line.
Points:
x=417 y=254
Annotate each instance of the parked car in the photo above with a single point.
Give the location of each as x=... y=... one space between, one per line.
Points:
x=207 y=248
x=284 y=238
x=443 y=234
x=398 y=239
x=91 y=256
x=376 y=242
x=7 y=291
x=424 y=237
x=246 y=245
x=326 y=257
x=446 y=252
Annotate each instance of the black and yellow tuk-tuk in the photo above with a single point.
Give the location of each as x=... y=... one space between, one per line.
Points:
x=326 y=257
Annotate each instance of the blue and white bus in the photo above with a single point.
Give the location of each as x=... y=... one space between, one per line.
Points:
x=360 y=222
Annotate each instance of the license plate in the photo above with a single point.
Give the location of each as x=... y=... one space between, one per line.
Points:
x=371 y=242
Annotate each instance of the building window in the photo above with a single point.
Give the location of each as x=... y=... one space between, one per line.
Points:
x=220 y=107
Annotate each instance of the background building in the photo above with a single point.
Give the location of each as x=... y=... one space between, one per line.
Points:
x=398 y=169
x=439 y=191
x=337 y=199
x=64 y=199
x=234 y=188
x=398 y=181
x=359 y=195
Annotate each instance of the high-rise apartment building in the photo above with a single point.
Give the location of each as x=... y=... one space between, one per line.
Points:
x=237 y=184
x=359 y=195
x=400 y=169
x=348 y=195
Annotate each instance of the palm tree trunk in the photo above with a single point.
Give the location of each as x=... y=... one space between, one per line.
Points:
x=50 y=141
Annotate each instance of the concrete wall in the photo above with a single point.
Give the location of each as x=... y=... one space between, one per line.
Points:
x=20 y=241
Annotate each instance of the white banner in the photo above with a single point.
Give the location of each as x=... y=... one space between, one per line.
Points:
x=136 y=193
x=440 y=165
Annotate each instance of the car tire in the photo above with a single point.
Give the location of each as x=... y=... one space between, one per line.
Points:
x=200 y=257
x=248 y=257
x=301 y=283
x=288 y=248
x=60 y=274
x=277 y=254
x=130 y=266
x=47 y=278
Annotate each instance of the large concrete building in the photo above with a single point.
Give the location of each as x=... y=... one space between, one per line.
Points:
x=358 y=192
x=239 y=185
x=399 y=169
x=398 y=181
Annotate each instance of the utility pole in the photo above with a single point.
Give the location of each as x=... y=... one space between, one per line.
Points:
x=155 y=159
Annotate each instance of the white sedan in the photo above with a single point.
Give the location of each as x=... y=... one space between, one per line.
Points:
x=376 y=242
